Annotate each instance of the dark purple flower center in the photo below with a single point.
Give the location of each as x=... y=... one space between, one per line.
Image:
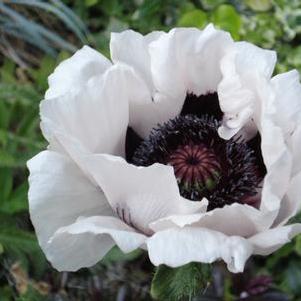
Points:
x=205 y=165
x=195 y=166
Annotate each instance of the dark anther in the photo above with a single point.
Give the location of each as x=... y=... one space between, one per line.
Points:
x=255 y=145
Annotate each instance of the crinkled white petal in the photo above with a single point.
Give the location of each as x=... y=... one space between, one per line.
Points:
x=131 y=48
x=236 y=101
x=276 y=154
x=278 y=162
x=269 y=241
x=147 y=109
x=188 y=60
x=291 y=203
x=176 y=247
x=252 y=58
x=241 y=68
x=162 y=76
x=96 y=115
x=86 y=241
x=295 y=148
x=224 y=220
x=139 y=195
x=277 y=157
x=287 y=89
x=59 y=193
x=72 y=73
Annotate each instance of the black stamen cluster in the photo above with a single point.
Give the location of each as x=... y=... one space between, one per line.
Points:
x=238 y=177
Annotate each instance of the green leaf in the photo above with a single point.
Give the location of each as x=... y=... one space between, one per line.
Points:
x=227 y=18
x=194 y=18
x=259 y=5
x=292 y=278
x=180 y=283
x=6 y=184
x=31 y=295
x=17 y=202
x=7 y=293
x=282 y=253
x=16 y=238
x=6 y=159
x=90 y=3
x=4 y=115
x=7 y=71
x=22 y=94
x=298 y=245
x=111 y=7
x=21 y=245
x=210 y=4
x=40 y=75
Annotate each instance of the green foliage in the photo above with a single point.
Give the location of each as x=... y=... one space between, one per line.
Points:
x=298 y=245
x=20 y=28
x=226 y=17
x=31 y=295
x=259 y=5
x=19 y=141
x=181 y=283
x=90 y=3
x=292 y=279
x=22 y=246
x=194 y=18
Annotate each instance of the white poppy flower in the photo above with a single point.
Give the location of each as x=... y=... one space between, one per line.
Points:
x=183 y=145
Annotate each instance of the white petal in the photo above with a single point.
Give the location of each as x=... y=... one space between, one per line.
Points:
x=131 y=48
x=147 y=107
x=277 y=159
x=188 y=60
x=224 y=220
x=204 y=71
x=291 y=203
x=96 y=115
x=288 y=104
x=176 y=247
x=144 y=116
x=85 y=242
x=76 y=71
x=294 y=191
x=269 y=241
x=59 y=193
x=181 y=61
x=276 y=155
x=163 y=79
x=295 y=148
x=139 y=195
x=252 y=58
x=181 y=220
x=243 y=69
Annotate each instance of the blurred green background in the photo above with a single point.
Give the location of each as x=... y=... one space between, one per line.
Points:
x=34 y=37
